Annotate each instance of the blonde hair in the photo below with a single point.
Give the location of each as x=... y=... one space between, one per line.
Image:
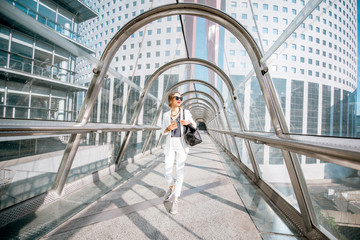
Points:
x=171 y=96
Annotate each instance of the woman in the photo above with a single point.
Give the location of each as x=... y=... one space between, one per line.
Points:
x=175 y=145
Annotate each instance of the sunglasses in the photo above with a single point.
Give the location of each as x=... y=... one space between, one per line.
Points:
x=178 y=98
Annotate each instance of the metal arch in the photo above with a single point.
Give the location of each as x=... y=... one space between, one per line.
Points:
x=200 y=105
x=221 y=123
x=202 y=93
x=146 y=89
x=261 y=71
x=226 y=119
x=206 y=110
x=164 y=97
x=201 y=99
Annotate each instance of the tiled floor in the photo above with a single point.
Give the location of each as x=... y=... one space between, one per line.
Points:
x=217 y=202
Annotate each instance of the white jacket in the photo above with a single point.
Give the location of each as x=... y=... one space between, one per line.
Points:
x=166 y=123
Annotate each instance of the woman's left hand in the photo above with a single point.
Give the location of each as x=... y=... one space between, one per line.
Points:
x=184 y=122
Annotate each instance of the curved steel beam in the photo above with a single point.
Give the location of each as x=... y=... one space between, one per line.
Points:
x=204 y=100
x=226 y=119
x=157 y=115
x=260 y=69
x=202 y=93
x=218 y=124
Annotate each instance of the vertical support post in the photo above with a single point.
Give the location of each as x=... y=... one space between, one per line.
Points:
x=247 y=143
x=232 y=137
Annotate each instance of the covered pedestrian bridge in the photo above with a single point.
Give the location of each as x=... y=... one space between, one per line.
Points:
x=249 y=179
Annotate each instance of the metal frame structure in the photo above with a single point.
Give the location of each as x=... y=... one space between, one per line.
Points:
x=308 y=218
x=164 y=97
x=225 y=115
x=161 y=70
x=223 y=109
x=208 y=106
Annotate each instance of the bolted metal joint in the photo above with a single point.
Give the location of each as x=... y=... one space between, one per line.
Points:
x=96 y=70
x=264 y=70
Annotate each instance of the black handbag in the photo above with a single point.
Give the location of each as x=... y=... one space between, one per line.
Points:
x=191 y=134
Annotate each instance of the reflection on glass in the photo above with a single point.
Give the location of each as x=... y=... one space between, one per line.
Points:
x=28 y=167
x=273 y=171
x=244 y=155
x=334 y=191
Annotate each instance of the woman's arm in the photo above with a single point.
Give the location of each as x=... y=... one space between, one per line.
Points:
x=189 y=118
x=164 y=125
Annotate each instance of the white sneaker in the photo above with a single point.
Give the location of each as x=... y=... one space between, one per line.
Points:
x=174 y=207
x=169 y=194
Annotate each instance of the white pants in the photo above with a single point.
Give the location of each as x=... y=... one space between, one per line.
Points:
x=176 y=149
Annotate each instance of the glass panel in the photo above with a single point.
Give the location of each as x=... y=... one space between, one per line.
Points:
x=61 y=65
x=274 y=172
x=39 y=107
x=132 y=100
x=244 y=154
x=28 y=167
x=17 y=100
x=318 y=66
x=22 y=49
x=150 y=105
x=334 y=191
x=43 y=59
x=58 y=104
x=117 y=105
x=4 y=45
x=256 y=120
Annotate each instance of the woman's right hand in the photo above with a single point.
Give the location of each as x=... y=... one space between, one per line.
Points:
x=171 y=127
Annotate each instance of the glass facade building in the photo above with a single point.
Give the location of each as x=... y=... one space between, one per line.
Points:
x=304 y=90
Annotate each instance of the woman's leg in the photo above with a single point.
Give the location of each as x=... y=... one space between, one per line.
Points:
x=181 y=156
x=169 y=164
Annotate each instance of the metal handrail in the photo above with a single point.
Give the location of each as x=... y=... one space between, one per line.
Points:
x=341 y=155
x=16 y=130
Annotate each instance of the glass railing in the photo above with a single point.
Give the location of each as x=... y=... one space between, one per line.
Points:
x=42 y=147
x=23 y=112
x=28 y=65
x=66 y=32
x=333 y=189
x=90 y=4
